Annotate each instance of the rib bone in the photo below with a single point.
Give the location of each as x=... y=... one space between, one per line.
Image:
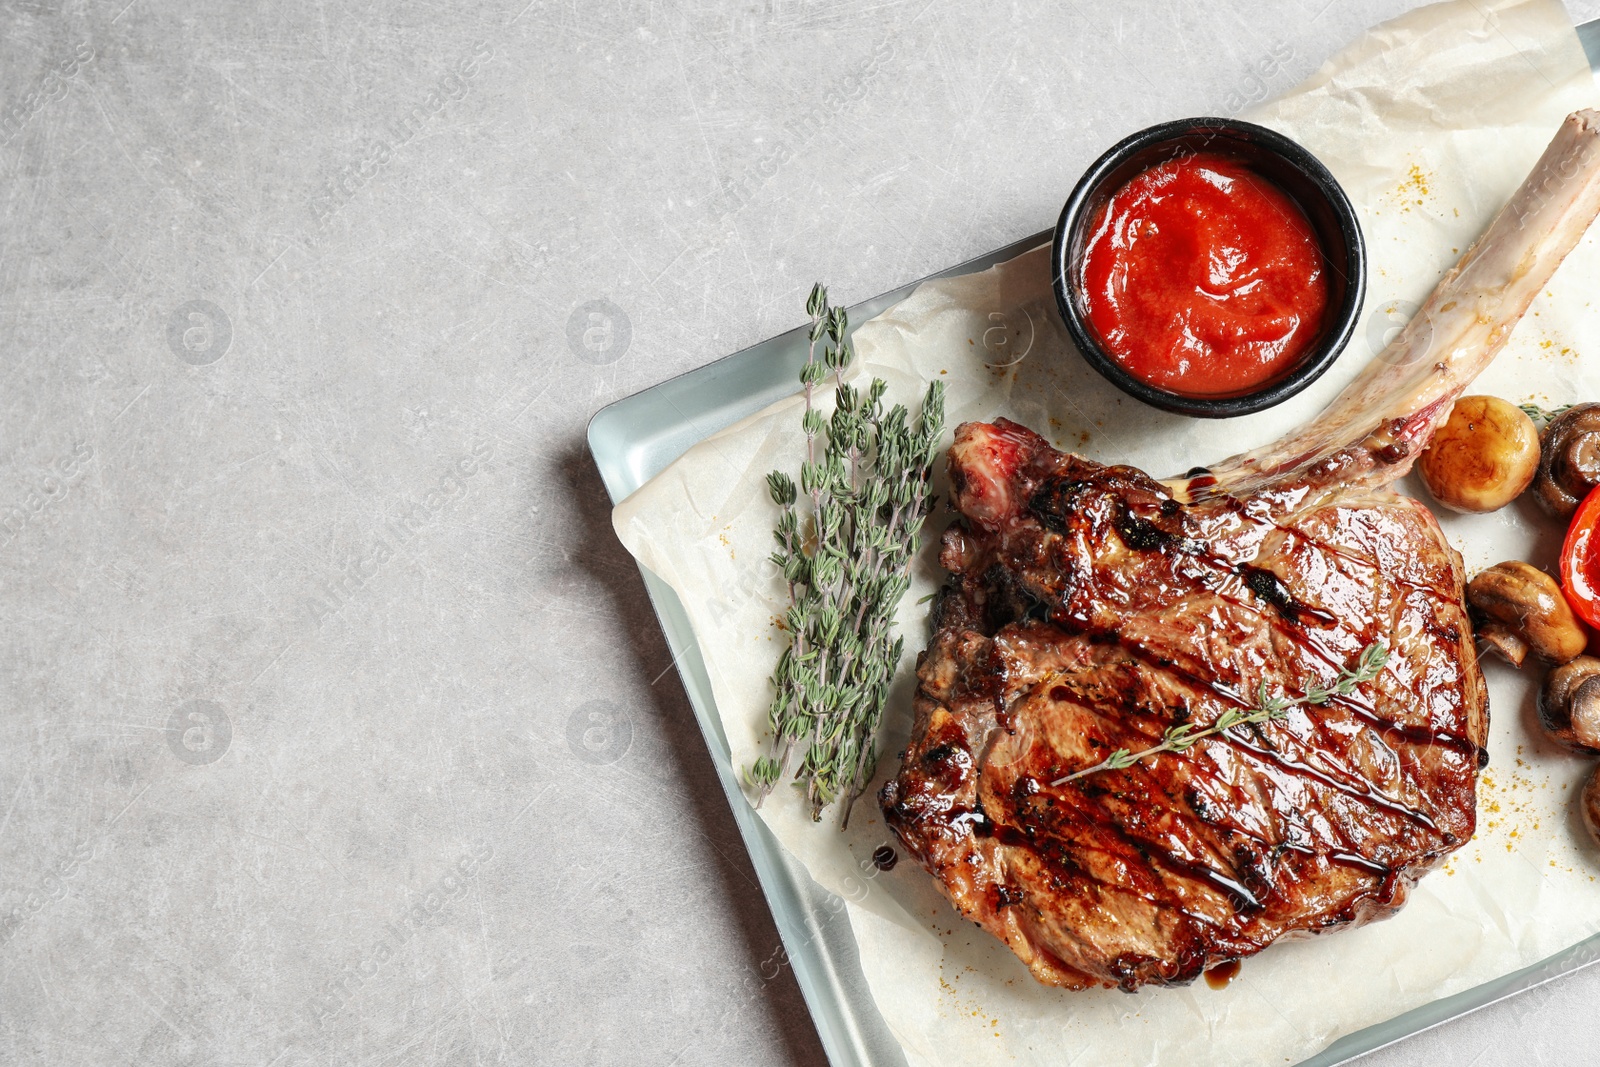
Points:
x=1374 y=430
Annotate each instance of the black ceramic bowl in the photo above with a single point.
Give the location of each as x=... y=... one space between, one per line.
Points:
x=1283 y=163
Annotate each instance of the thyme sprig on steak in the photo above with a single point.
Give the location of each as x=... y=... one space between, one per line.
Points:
x=1267 y=708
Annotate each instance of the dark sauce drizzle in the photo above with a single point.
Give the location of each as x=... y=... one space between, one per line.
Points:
x=1219 y=976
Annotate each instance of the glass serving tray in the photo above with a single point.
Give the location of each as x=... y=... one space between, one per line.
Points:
x=631 y=441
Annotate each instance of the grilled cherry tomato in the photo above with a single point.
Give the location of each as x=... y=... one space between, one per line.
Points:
x=1580 y=560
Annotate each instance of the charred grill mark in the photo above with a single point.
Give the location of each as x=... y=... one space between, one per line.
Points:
x=1139 y=655
x=1142 y=535
x=1052 y=504
x=958 y=480
x=1269 y=587
x=1247 y=848
x=1162 y=860
x=1261 y=736
x=1005 y=599
x=1050 y=844
x=1420 y=736
x=1037 y=830
x=1202 y=808
x=1234 y=892
x=1387 y=733
x=1139 y=534
x=1376 y=799
x=1031 y=825
x=1122 y=694
x=1275 y=620
x=1003 y=896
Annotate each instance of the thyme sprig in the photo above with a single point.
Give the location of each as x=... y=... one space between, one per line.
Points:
x=846 y=566
x=1539 y=414
x=1267 y=709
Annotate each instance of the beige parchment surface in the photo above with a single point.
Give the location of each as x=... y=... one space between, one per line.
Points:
x=1429 y=122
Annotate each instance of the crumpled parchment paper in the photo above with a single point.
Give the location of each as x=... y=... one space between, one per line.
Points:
x=1430 y=122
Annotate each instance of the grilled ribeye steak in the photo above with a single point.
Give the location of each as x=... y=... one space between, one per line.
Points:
x=1092 y=607
x=1091 y=611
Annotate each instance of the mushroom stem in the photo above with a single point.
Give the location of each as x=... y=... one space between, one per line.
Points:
x=1504 y=640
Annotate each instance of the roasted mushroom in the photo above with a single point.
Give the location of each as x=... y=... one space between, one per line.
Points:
x=1484 y=455
x=1518 y=608
x=1590 y=802
x=1569 y=464
x=1569 y=704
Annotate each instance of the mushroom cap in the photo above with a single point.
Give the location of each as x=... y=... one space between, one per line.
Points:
x=1569 y=704
x=1483 y=457
x=1518 y=609
x=1590 y=804
x=1569 y=460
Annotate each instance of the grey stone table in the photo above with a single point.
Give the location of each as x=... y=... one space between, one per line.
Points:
x=336 y=728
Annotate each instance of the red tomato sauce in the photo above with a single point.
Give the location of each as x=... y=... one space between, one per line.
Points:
x=1203 y=278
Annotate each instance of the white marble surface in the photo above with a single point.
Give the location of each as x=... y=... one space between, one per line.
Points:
x=334 y=725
